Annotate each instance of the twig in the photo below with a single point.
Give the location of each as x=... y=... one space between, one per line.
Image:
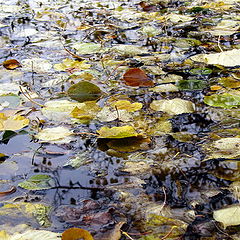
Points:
x=218 y=42
x=168 y=234
x=29 y=98
x=165 y=199
x=126 y=234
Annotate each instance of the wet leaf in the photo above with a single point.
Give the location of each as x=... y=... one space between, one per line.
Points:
x=11 y=64
x=30 y=235
x=224 y=100
x=55 y=135
x=86 y=112
x=228 y=216
x=129 y=50
x=227 y=58
x=76 y=233
x=229 y=82
x=37 y=182
x=13 y=122
x=136 y=77
x=84 y=91
x=71 y=65
x=38 y=65
x=191 y=84
x=117 y=132
x=87 y=48
x=9 y=101
x=24 y=211
x=127 y=105
x=175 y=18
x=174 y=106
x=165 y=88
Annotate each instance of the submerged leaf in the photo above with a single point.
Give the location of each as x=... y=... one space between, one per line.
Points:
x=117 y=132
x=224 y=100
x=87 y=48
x=127 y=105
x=76 y=233
x=136 y=77
x=191 y=84
x=173 y=106
x=84 y=91
x=37 y=182
x=228 y=216
x=73 y=65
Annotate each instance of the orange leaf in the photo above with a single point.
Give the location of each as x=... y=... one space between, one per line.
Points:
x=136 y=77
x=76 y=233
x=11 y=64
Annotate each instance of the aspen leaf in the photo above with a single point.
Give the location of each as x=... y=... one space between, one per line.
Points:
x=76 y=233
x=13 y=122
x=228 y=216
x=135 y=77
x=127 y=105
x=11 y=64
x=84 y=91
x=117 y=132
x=68 y=64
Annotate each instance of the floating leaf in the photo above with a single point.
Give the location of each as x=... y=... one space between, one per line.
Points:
x=129 y=50
x=55 y=135
x=86 y=112
x=227 y=58
x=30 y=234
x=224 y=100
x=117 y=132
x=88 y=48
x=175 y=18
x=191 y=84
x=84 y=91
x=228 y=216
x=38 y=65
x=73 y=65
x=37 y=182
x=127 y=105
x=200 y=71
x=11 y=64
x=173 y=106
x=165 y=88
x=13 y=122
x=76 y=233
x=136 y=77
x=229 y=82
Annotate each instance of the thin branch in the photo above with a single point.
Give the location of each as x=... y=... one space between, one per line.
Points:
x=29 y=98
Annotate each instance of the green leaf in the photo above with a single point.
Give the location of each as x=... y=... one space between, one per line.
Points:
x=37 y=182
x=228 y=216
x=191 y=84
x=117 y=132
x=87 y=48
x=84 y=91
x=224 y=100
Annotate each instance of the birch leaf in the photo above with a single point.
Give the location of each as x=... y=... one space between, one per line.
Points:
x=117 y=132
x=12 y=123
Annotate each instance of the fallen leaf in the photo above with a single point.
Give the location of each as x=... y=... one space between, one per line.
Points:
x=127 y=105
x=129 y=50
x=88 y=48
x=76 y=233
x=38 y=65
x=136 y=77
x=117 y=132
x=84 y=91
x=226 y=58
x=55 y=135
x=72 y=65
x=174 y=106
x=37 y=182
x=13 y=122
x=11 y=64
x=224 y=100
x=228 y=216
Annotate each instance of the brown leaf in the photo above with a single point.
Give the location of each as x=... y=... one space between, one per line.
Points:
x=76 y=233
x=11 y=64
x=136 y=77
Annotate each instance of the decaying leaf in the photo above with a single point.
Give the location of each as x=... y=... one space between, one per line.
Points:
x=38 y=65
x=174 y=106
x=129 y=50
x=76 y=233
x=117 y=132
x=87 y=48
x=127 y=105
x=11 y=64
x=55 y=135
x=227 y=58
x=84 y=91
x=37 y=182
x=228 y=216
x=137 y=77
x=13 y=122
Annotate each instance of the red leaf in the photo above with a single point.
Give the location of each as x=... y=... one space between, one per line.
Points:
x=136 y=77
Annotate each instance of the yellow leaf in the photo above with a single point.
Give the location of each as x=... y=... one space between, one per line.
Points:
x=76 y=233
x=117 y=132
x=71 y=64
x=12 y=122
x=130 y=107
